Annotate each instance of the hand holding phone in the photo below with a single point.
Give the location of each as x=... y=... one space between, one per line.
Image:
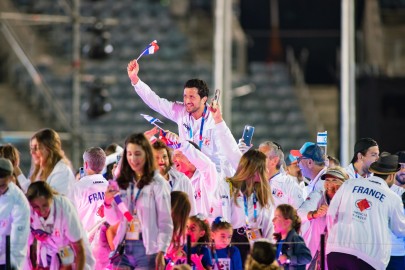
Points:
x=82 y=172
x=248 y=134
x=215 y=101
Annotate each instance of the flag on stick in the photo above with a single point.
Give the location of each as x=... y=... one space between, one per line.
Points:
x=150 y=49
x=153 y=121
x=162 y=134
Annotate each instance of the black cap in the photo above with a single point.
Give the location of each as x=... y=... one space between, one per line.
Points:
x=387 y=164
x=401 y=156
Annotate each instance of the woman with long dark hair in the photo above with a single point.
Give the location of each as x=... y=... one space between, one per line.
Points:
x=139 y=200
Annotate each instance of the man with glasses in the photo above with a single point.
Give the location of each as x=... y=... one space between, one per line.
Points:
x=366 y=152
x=311 y=161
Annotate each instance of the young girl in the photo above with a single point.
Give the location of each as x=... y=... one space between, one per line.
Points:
x=224 y=256
x=181 y=208
x=199 y=232
x=292 y=253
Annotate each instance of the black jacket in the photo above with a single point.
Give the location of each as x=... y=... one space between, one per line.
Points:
x=296 y=250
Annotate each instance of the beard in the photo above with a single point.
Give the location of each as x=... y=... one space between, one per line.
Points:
x=400 y=178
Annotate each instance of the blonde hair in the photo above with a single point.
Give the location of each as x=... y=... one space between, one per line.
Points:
x=251 y=174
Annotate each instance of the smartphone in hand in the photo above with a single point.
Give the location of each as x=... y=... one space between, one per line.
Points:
x=82 y=172
x=215 y=101
x=248 y=134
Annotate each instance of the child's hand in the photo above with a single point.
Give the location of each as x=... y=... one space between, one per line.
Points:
x=282 y=259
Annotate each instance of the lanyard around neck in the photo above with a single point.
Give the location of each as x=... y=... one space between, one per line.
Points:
x=134 y=200
x=201 y=128
x=245 y=201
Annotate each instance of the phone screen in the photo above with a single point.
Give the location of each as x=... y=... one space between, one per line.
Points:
x=248 y=134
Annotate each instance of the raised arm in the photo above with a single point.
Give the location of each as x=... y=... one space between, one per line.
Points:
x=167 y=108
x=225 y=139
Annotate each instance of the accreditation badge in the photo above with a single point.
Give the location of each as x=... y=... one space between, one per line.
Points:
x=133 y=229
x=66 y=255
x=253 y=234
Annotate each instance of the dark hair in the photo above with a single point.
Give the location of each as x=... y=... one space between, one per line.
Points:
x=111 y=149
x=10 y=152
x=203 y=224
x=220 y=224
x=126 y=174
x=288 y=212
x=39 y=189
x=181 y=208
x=362 y=146
x=202 y=87
x=158 y=145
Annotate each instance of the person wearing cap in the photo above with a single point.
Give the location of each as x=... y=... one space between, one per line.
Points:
x=311 y=161
x=366 y=152
x=14 y=218
x=262 y=256
x=293 y=170
x=284 y=189
x=400 y=175
x=315 y=207
x=397 y=260
x=361 y=216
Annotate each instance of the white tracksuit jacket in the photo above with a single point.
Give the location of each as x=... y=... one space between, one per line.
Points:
x=360 y=217
x=154 y=213
x=186 y=123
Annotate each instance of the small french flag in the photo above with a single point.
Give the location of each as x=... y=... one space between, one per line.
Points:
x=151 y=49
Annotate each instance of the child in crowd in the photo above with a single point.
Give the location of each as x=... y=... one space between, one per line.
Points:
x=291 y=253
x=262 y=256
x=199 y=232
x=225 y=256
x=181 y=208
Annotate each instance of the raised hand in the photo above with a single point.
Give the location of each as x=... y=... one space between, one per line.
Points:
x=133 y=69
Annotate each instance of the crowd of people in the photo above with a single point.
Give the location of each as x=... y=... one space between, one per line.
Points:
x=197 y=198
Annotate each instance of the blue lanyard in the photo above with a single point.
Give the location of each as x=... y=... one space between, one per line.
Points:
x=245 y=201
x=133 y=205
x=201 y=128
